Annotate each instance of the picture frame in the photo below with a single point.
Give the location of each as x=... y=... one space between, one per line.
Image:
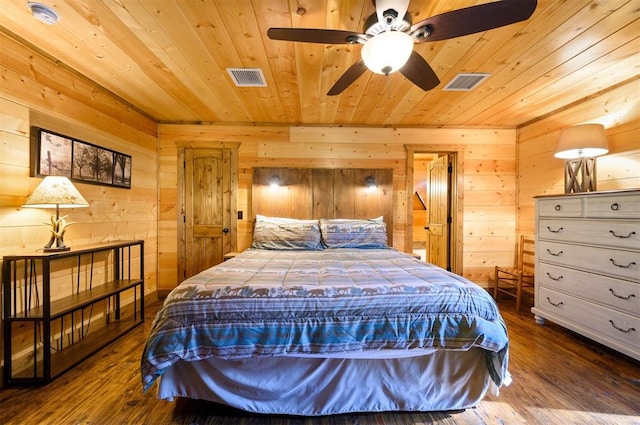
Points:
x=54 y=154
x=121 y=170
x=51 y=153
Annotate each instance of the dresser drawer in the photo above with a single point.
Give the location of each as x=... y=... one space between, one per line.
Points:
x=613 y=206
x=617 y=325
x=615 y=293
x=560 y=207
x=622 y=234
x=605 y=261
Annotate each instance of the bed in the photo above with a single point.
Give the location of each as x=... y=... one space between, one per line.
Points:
x=321 y=317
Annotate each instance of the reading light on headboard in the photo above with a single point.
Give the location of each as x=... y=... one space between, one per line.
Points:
x=274 y=181
x=370 y=182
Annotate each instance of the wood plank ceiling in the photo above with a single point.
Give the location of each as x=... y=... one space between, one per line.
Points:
x=168 y=58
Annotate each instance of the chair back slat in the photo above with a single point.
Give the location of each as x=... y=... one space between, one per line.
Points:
x=521 y=280
x=527 y=254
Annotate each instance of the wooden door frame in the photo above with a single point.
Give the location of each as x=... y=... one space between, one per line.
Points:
x=457 y=198
x=182 y=203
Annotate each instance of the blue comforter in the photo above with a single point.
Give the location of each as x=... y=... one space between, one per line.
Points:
x=274 y=303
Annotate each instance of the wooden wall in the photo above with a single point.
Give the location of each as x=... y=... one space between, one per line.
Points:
x=36 y=91
x=540 y=173
x=486 y=179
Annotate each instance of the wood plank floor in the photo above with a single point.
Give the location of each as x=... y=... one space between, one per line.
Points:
x=558 y=378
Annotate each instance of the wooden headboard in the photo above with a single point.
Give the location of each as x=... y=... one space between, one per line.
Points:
x=314 y=193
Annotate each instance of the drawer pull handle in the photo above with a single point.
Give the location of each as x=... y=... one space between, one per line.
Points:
x=555 y=278
x=554 y=304
x=560 y=229
x=558 y=207
x=556 y=254
x=620 y=296
x=613 y=232
x=620 y=329
x=615 y=206
x=622 y=266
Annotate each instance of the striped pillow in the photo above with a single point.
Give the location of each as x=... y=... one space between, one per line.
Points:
x=286 y=234
x=347 y=233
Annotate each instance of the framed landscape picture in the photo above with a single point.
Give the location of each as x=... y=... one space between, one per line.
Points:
x=121 y=169
x=92 y=163
x=51 y=154
x=54 y=154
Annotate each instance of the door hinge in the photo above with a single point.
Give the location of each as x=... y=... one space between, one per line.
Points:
x=184 y=218
x=449 y=219
x=450 y=169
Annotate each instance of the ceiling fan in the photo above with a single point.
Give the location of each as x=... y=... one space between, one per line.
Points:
x=389 y=36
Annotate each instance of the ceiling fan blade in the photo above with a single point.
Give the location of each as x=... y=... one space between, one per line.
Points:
x=477 y=18
x=312 y=35
x=419 y=72
x=352 y=74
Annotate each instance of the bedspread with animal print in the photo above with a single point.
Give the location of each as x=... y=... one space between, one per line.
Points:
x=275 y=303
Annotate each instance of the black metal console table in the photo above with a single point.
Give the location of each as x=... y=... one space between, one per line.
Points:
x=62 y=307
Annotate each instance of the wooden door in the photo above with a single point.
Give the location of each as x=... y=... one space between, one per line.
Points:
x=207 y=211
x=439 y=212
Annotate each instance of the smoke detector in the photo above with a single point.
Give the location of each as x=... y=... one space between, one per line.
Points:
x=43 y=13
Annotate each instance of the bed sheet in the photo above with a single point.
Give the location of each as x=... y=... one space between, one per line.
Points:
x=441 y=381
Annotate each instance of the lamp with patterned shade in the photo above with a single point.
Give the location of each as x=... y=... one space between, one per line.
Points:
x=578 y=146
x=56 y=192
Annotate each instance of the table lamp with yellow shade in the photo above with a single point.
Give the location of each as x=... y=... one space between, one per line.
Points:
x=56 y=192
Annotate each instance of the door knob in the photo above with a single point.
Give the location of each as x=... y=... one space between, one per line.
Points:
x=225 y=230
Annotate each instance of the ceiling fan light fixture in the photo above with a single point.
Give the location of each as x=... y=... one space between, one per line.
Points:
x=387 y=52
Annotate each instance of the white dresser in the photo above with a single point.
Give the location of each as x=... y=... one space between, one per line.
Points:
x=588 y=266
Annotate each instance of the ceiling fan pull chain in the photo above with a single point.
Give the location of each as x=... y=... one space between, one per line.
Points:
x=388 y=87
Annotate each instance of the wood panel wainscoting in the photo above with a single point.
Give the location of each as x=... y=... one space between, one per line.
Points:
x=558 y=378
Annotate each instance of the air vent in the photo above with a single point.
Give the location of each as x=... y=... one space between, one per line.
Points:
x=247 y=77
x=465 y=82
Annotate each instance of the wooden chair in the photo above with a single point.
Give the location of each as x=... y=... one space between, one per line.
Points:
x=519 y=280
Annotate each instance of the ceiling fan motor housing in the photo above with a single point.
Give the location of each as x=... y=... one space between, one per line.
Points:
x=389 y=16
x=373 y=27
x=388 y=12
